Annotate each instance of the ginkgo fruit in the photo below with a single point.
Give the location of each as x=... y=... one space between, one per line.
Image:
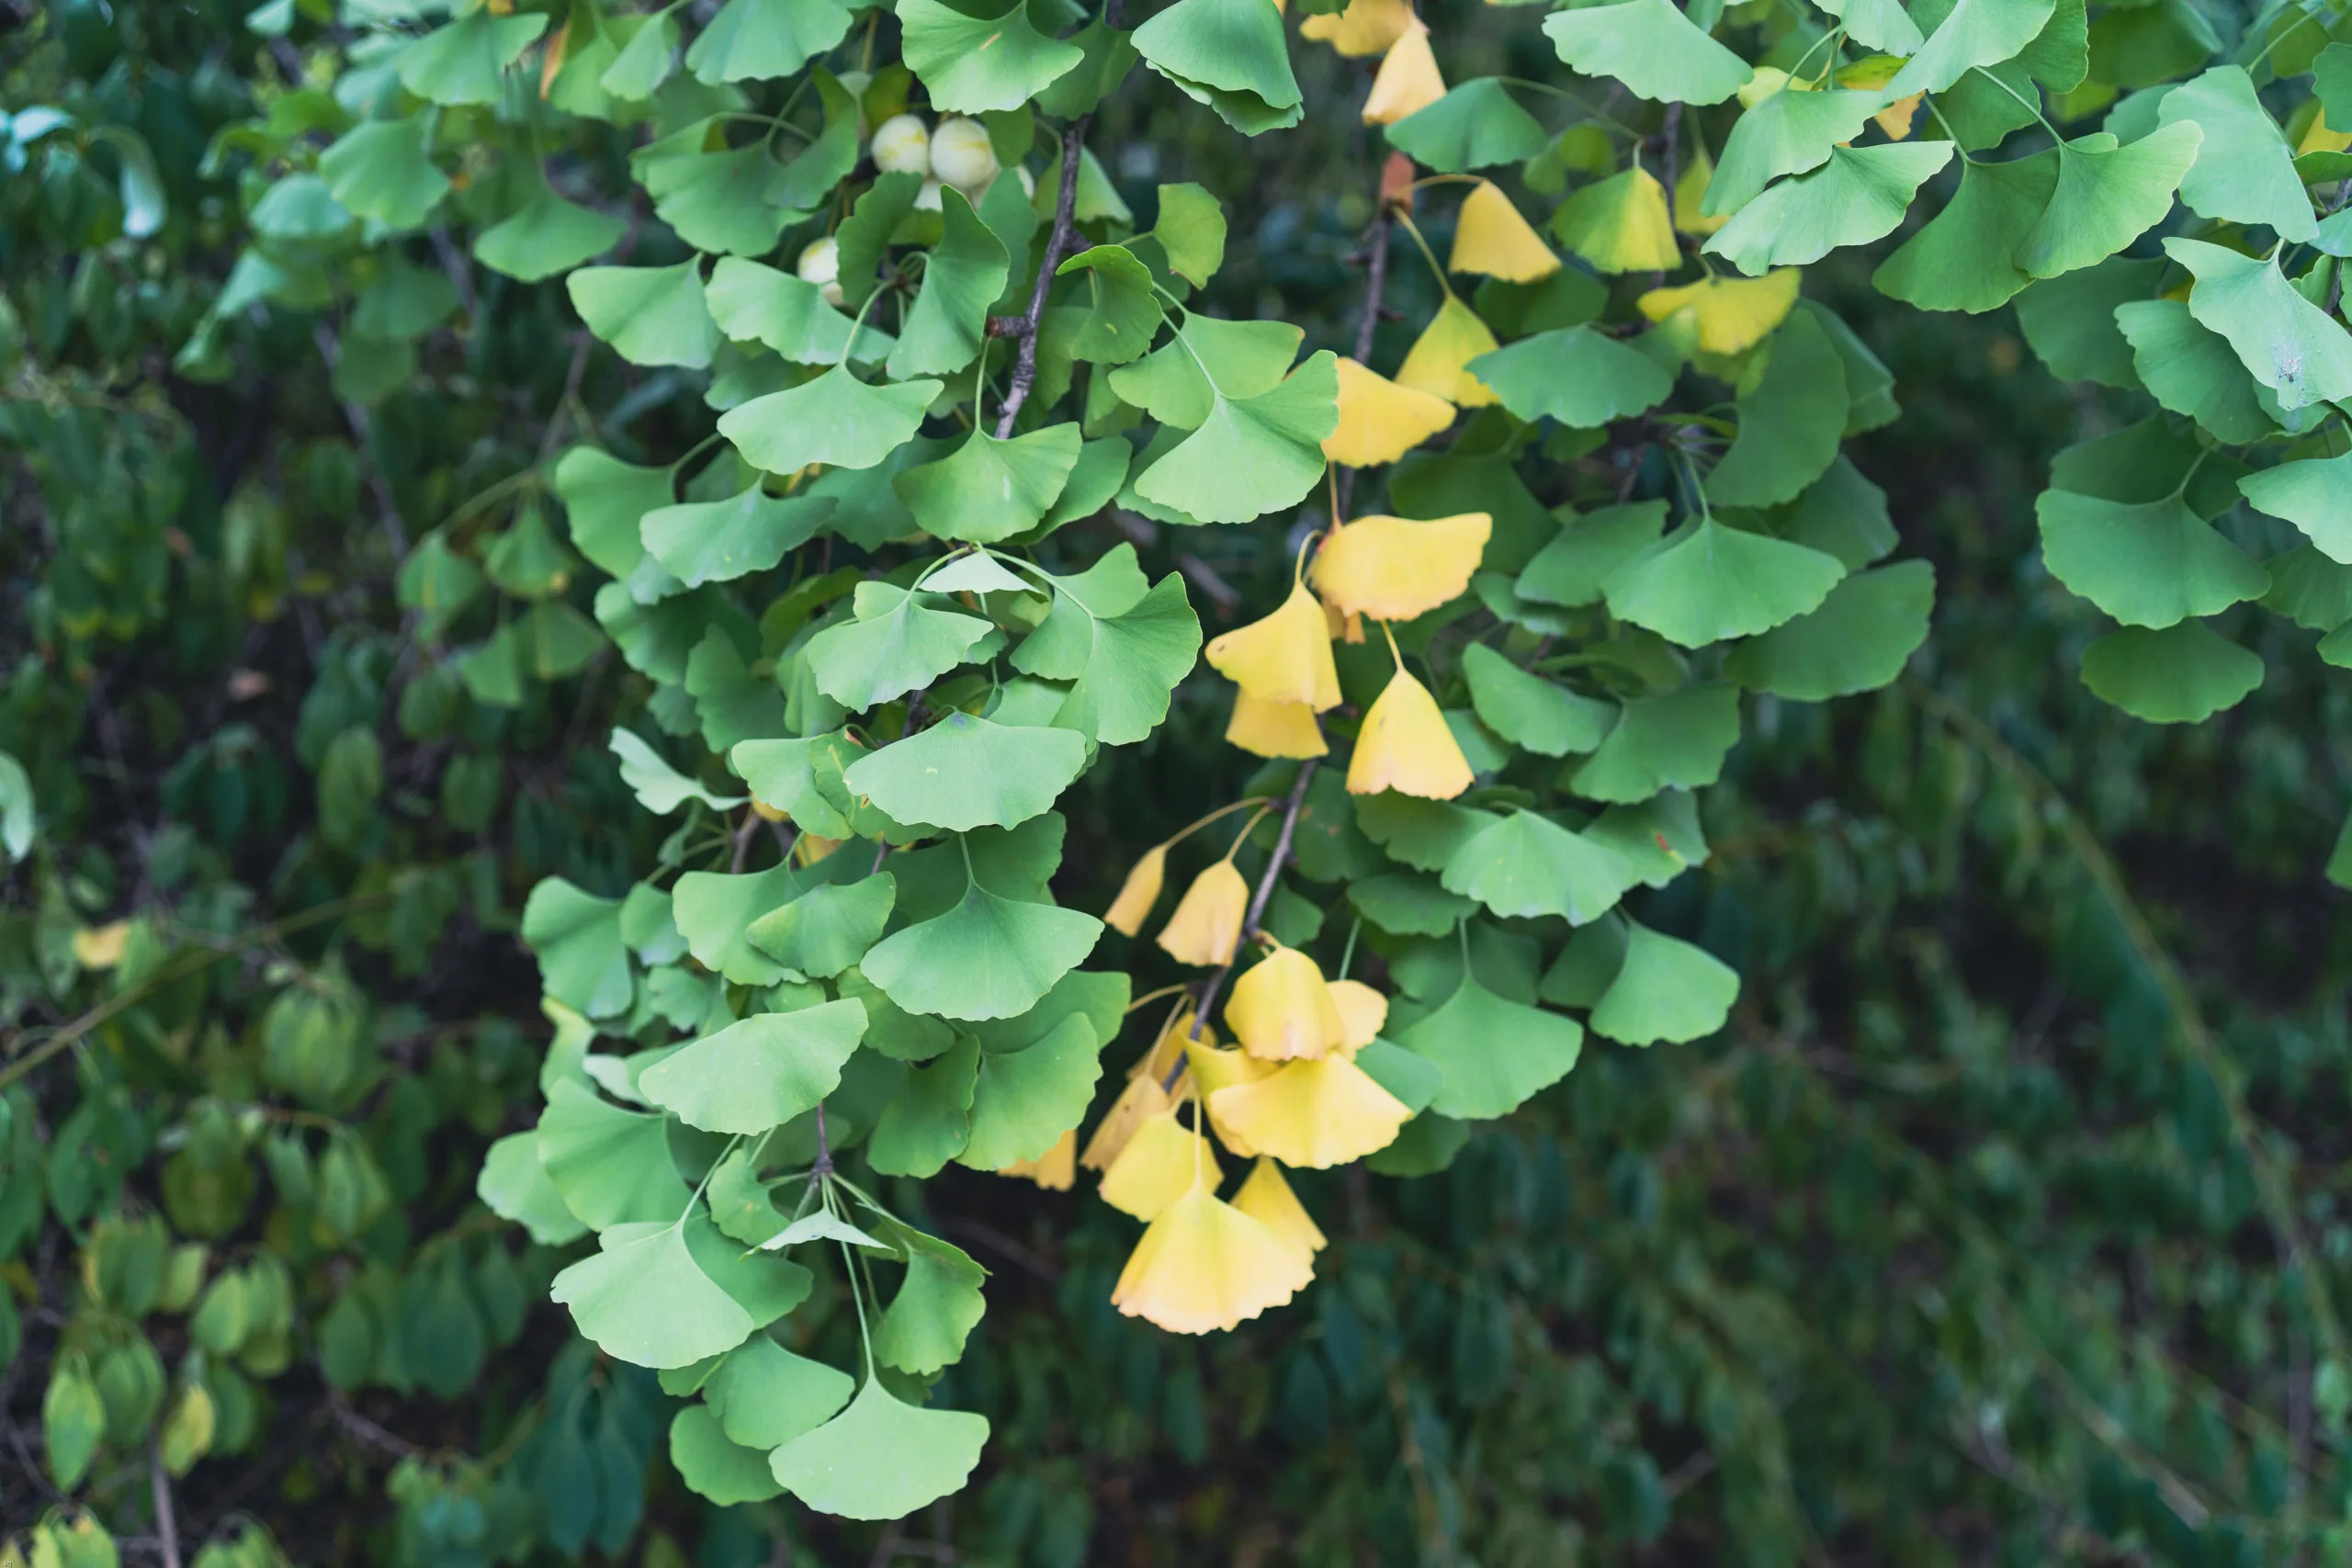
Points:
x=1284 y=658
x=1138 y=893
x=820 y=263
x=1204 y=1266
x=1439 y=362
x=962 y=155
x=1267 y=1198
x=1393 y=570
x=1490 y=237
x=1381 y=421
x=1620 y=224
x=1274 y=730
x=1056 y=1171
x=1160 y=1160
x=1365 y=27
x=1281 y=1009
x=1207 y=921
x=1362 y=1012
x=1313 y=1114
x=901 y=144
x=1733 y=313
x=1407 y=746
x=1408 y=80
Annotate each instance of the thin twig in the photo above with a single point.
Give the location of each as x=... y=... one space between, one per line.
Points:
x=1375 y=280
x=356 y=417
x=1025 y=365
x=1258 y=900
x=167 y=1529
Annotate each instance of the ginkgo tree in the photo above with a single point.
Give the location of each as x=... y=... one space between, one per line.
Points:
x=1537 y=566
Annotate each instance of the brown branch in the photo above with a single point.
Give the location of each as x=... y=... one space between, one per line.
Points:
x=1258 y=900
x=1025 y=367
x=1376 y=278
x=167 y=1528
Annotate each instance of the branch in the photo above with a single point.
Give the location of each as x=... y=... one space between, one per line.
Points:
x=356 y=417
x=1376 y=278
x=1258 y=900
x=1025 y=367
x=167 y=1526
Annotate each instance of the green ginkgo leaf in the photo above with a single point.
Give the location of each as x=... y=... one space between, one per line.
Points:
x=752 y=303
x=966 y=272
x=1252 y=454
x=1571 y=567
x=1408 y=904
x=2181 y=674
x=1496 y=1054
x=827 y=929
x=1665 y=988
x=1581 y=376
x=2070 y=321
x=577 y=939
x=645 y=60
x=1121 y=312
x=1476 y=125
x=2315 y=495
x=2309 y=589
x=610 y=1166
x=731 y=704
x=808 y=180
x=1788 y=133
x=1530 y=712
x=760 y=39
x=712 y=1465
x=1962 y=259
x=1843 y=514
x=978 y=64
x=1974 y=33
x=2244 y=172
x=658 y=787
x=898 y=643
x=2192 y=370
x=966 y=772
x=1229 y=54
x=2106 y=197
x=1858 y=640
x=718 y=541
x=716 y=196
x=1651 y=47
x=1025 y=1099
x=2285 y=342
x=1179 y=382
x=2150 y=564
x=938 y=1304
x=1124 y=646
x=465 y=60
x=1708 y=583
x=987 y=957
x=781 y=773
x=651 y=315
x=669 y=1295
x=1882 y=25
x=881 y=1458
x=929 y=1121
x=1791 y=420
x=546 y=235
x=1860 y=195
x=1190 y=230
x=383 y=169
x=835 y=419
x=714 y=908
x=1677 y=740
x=764 y=1395
x=987 y=490
x=759 y=1073
x=515 y=1186
x=1525 y=865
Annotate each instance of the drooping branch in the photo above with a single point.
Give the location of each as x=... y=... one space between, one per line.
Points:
x=1025 y=327
x=1258 y=899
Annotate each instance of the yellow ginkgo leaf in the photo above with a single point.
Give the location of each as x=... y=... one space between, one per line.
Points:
x=1620 y=224
x=1169 y=1049
x=1056 y=1171
x=1281 y=1009
x=1408 y=81
x=1689 y=189
x=100 y=947
x=1490 y=237
x=2318 y=137
x=1767 y=80
x=1267 y=1198
x=1438 y=363
x=1380 y=421
x=1162 y=1158
x=1406 y=746
x=1204 y=1266
x=1214 y=1069
x=1366 y=28
x=1138 y=893
x=1285 y=658
x=1143 y=1099
x=1733 y=313
x=1897 y=118
x=1207 y=921
x=1362 y=1012
x=1274 y=730
x=1393 y=570
x=1314 y=1114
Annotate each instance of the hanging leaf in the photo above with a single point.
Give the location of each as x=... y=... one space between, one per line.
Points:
x=582 y=960
x=2148 y=565
x=2106 y=197
x=835 y=419
x=1665 y=988
x=1580 y=376
x=765 y=1396
x=2285 y=343
x=1859 y=195
x=2244 y=170
x=897 y=643
x=651 y=315
x=1707 y=583
x=2182 y=674
x=1859 y=639
x=974 y=64
x=1651 y=47
x=965 y=273
x=1525 y=865
x=762 y=40
x=881 y=1458
x=2315 y=495
x=759 y=1073
x=987 y=490
x=1962 y=260
x=2192 y=370
x=718 y=541
x=1675 y=741
x=1791 y=421
x=993 y=942
x=1251 y=455
x=1788 y=133
x=966 y=772
x=1496 y=1054
x=1476 y=125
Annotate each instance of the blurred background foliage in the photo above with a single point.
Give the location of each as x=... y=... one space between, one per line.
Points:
x=2003 y=1225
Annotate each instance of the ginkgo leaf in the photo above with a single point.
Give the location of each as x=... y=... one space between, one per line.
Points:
x=1877 y=24
x=1734 y=314
x=1962 y=258
x=723 y=1472
x=1496 y=1054
x=835 y=419
x=2243 y=171
x=938 y=1303
x=1476 y=125
x=1860 y=195
x=996 y=947
x=929 y=1121
x=717 y=541
x=827 y=929
x=546 y=235
x=1665 y=988
x=973 y=65
x=964 y=773
x=2192 y=369
x=1530 y=712
x=764 y=1395
x=1858 y=640
x=577 y=938
x=2315 y=495
x=1121 y=312
x=465 y=60
x=383 y=170
x=987 y=490
x=881 y=1458
x=1490 y=237
x=1677 y=740
x=1125 y=651
x=712 y=910
x=1651 y=47
x=782 y=776
x=2069 y=322
x=1252 y=454
x=660 y=788
x=1379 y=421
x=758 y=39
x=1439 y=362
x=759 y=1073
x=1581 y=376
x=2288 y=343
x=651 y=315
x=1707 y=583
x=1525 y=865
x=1026 y=1098
x=1229 y=54
x=1180 y=382
x=647 y=1301
x=1360 y=28
x=2147 y=565
x=1408 y=81
x=2181 y=674
x=2106 y=197
x=1394 y=569
x=1791 y=420
x=752 y=303
x=1571 y=569
x=1620 y=223
x=898 y=643
x=1788 y=133
x=964 y=275
x=1974 y=33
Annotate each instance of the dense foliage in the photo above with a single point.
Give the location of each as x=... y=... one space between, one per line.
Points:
x=599 y=606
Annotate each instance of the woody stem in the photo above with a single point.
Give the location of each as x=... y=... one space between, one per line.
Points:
x=1258 y=899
